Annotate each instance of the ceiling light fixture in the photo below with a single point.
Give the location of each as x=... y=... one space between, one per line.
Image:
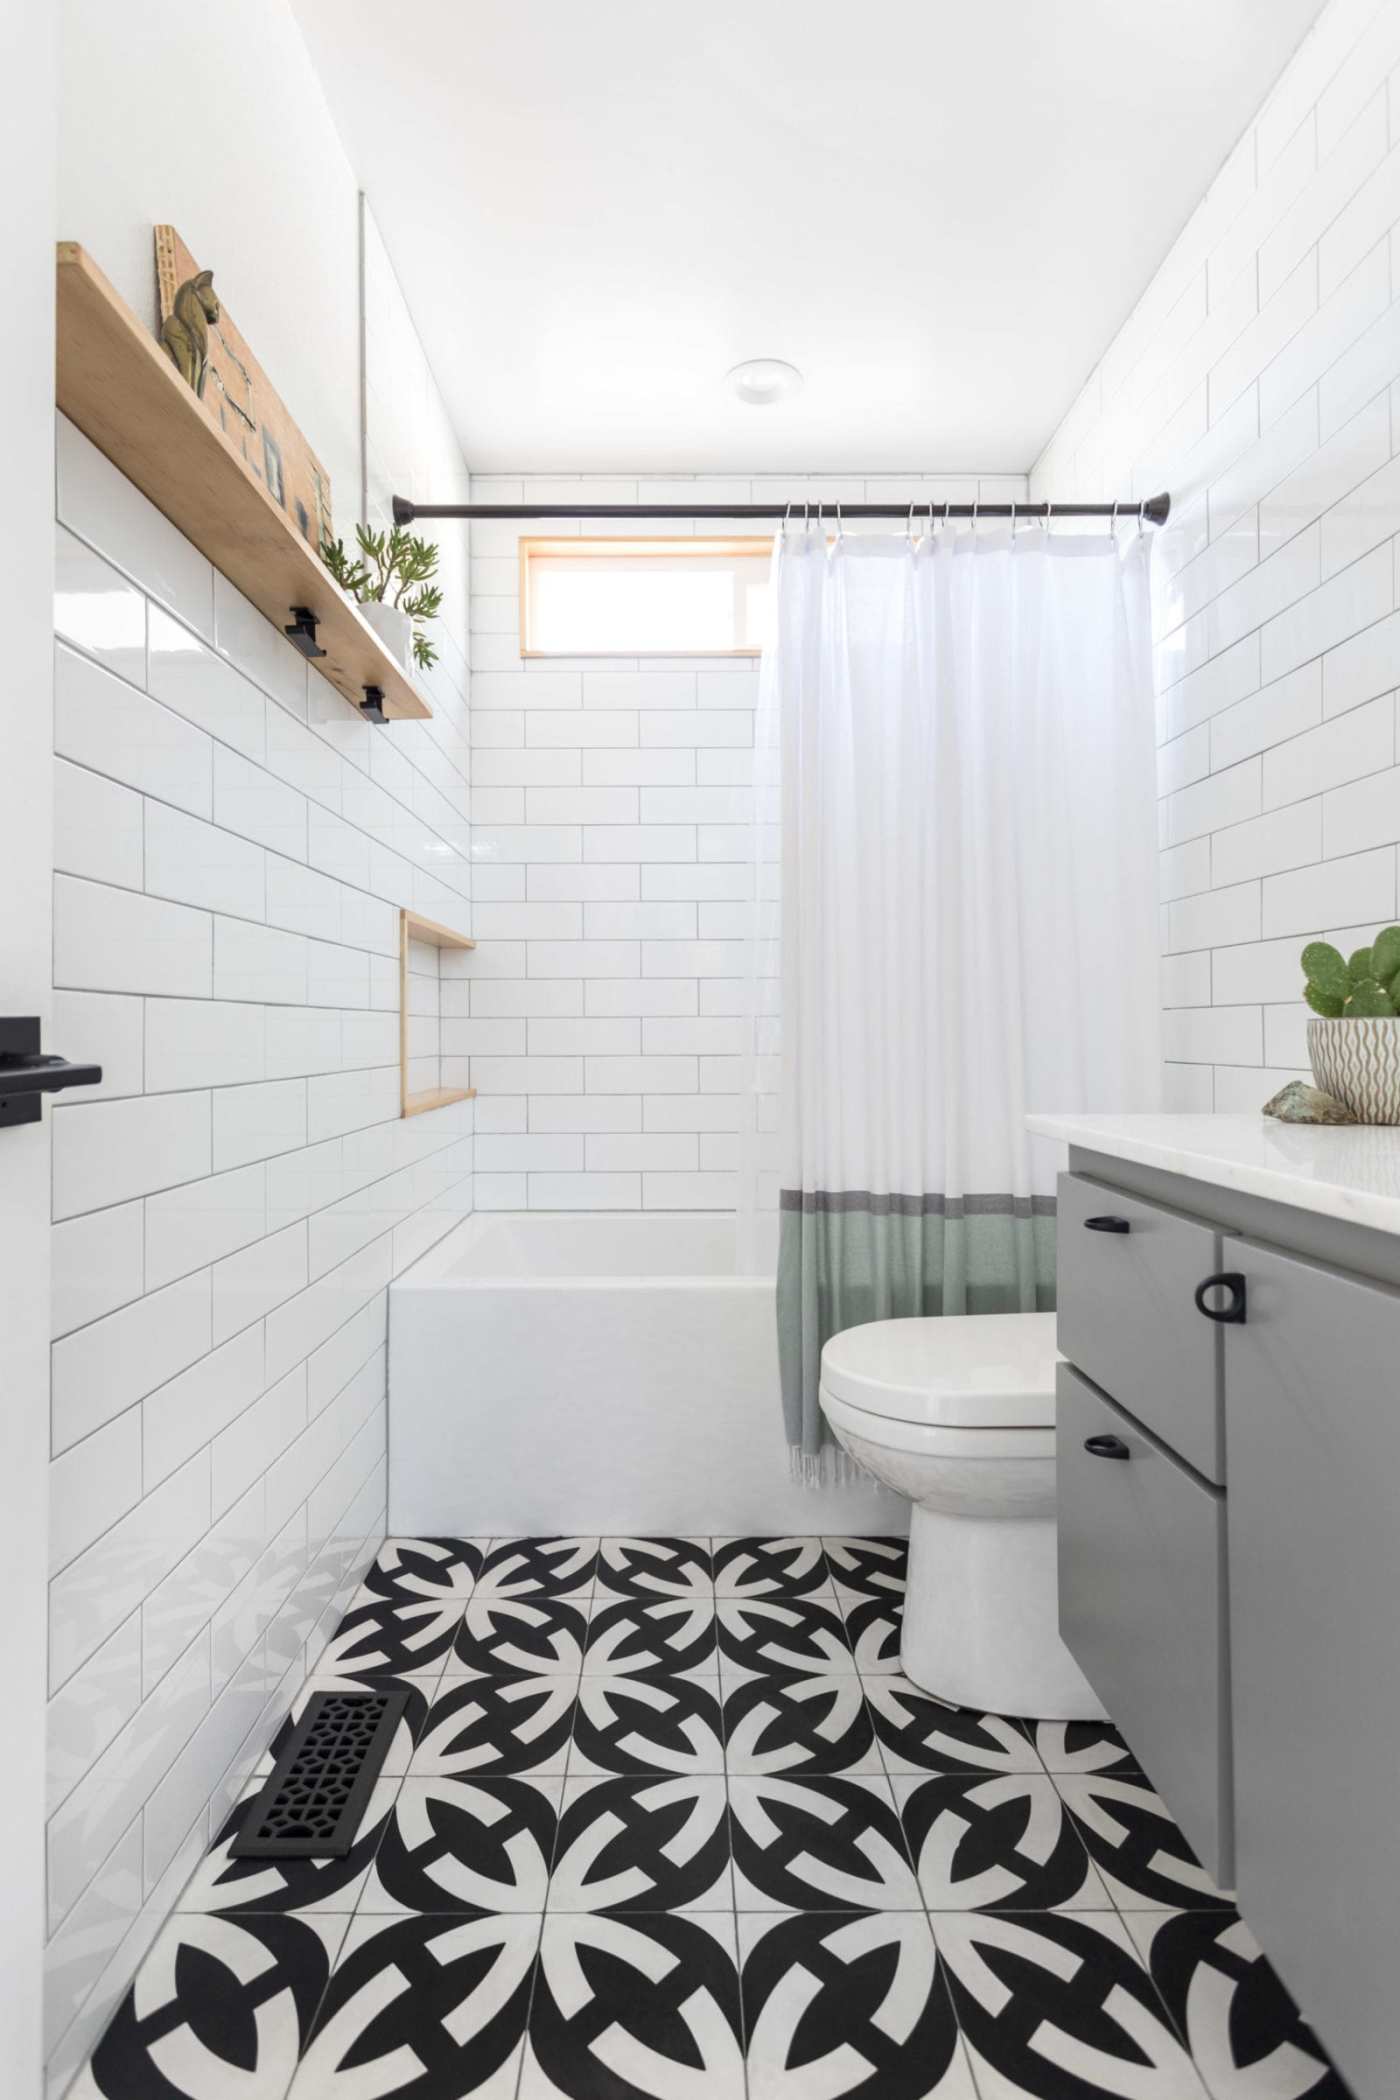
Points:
x=764 y=380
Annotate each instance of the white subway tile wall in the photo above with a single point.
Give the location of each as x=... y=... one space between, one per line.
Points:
x=1259 y=381
x=232 y=847
x=598 y=1016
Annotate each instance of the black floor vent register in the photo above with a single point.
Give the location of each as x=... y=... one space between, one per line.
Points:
x=314 y=1799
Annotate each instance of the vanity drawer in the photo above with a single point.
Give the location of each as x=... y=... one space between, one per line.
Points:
x=1128 y=1272
x=1142 y=1556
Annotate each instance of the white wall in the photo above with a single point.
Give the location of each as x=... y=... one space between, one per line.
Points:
x=232 y=844
x=26 y=582
x=610 y=806
x=1257 y=381
x=212 y=120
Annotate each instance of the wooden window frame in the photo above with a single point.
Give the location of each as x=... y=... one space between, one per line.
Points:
x=591 y=547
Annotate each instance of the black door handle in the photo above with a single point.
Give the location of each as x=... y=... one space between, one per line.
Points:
x=1107 y=1225
x=26 y=1073
x=1232 y=1313
x=1107 y=1447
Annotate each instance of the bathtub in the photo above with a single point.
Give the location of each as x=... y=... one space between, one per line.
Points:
x=562 y=1372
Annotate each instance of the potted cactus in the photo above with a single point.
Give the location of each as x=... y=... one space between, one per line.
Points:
x=1354 y=1043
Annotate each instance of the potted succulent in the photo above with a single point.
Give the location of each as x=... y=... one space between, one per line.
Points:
x=1354 y=1044
x=391 y=581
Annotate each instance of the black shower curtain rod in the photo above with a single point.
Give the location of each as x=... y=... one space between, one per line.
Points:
x=1154 y=511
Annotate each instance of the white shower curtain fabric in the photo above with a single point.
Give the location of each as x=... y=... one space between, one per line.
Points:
x=956 y=803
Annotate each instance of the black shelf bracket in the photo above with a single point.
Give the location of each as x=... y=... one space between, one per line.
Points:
x=372 y=706
x=302 y=632
x=26 y=1074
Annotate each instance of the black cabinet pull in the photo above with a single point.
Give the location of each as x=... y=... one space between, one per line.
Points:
x=1107 y=1225
x=1107 y=1447
x=1228 y=1315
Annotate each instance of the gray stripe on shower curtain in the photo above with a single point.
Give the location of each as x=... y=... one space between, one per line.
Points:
x=846 y=1256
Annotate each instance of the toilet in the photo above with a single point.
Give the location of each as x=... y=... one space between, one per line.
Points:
x=959 y=1415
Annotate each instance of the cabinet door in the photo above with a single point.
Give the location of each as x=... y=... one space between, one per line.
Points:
x=1312 y=1420
x=1127 y=1273
x=1141 y=1552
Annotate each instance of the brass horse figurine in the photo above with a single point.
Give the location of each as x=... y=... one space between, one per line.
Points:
x=185 y=329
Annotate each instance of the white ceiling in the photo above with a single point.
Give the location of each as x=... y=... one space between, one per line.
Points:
x=941 y=212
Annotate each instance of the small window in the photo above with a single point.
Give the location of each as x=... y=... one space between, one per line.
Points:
x=661 y=597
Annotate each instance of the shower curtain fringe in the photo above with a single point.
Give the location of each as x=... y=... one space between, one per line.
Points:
x=829 y=1467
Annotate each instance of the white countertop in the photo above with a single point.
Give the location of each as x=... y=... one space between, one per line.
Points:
x=1336 y=1170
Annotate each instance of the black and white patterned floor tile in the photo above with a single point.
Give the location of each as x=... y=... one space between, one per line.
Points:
x=921 y=1734
x=1082 y=1747
x=873 y=1628
x=631 y=2006
x=819 y=1844
x=798 y=1634
x=1057 y=2006
x=1247 y=2038
x=842 y=2007
x=221 y=2009
x=1003 y=1843
x=378 y=1639
x=643 y=1844
x=442 y=1569
x=798 y=1724
x=672 y=1638
x=647 y=1725
x=519 y=1637
x=469 y=1845
x=506 y=1726
x=1145 y=1861
x=752 y=1567
x=553 y=1567
x=876 y=1567
x=621 y=1754
x=429 y=2008
x=222 y=1883
x=676 y=1567
x=399 y=1755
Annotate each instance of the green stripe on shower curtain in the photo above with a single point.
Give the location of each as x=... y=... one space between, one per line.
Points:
x=848 y=1256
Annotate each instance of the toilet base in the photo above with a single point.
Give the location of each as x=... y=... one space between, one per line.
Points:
x=981 y=1618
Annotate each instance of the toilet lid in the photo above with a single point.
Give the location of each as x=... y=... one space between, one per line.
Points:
x=975 y=1370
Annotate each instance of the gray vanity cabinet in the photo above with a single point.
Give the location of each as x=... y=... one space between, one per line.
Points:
x=1312 y=1384
x=1141 y=1550
x=1126 y=1270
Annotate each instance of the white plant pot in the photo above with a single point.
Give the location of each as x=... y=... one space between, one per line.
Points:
x=394 y=629
x=1358 y=1063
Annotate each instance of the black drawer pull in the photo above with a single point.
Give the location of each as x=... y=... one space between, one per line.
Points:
x=1107 y=1225
x=1107 y=1447
x=1232 y=1314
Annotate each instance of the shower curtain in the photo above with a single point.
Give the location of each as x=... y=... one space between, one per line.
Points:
x=956 y=916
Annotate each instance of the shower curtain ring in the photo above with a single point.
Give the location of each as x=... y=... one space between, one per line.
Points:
x=974 y=518
x=1113 y=520
x=784 y=526
x=930 y=521
x=1049 y=514
x=909 y=527
x=840 y=528
x=1013 y=517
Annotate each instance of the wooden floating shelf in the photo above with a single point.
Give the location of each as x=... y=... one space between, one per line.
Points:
x=414 y=927
x=119 y=387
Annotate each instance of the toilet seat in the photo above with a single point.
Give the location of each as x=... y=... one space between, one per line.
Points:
x=937 y=1439
x=977 y=1372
